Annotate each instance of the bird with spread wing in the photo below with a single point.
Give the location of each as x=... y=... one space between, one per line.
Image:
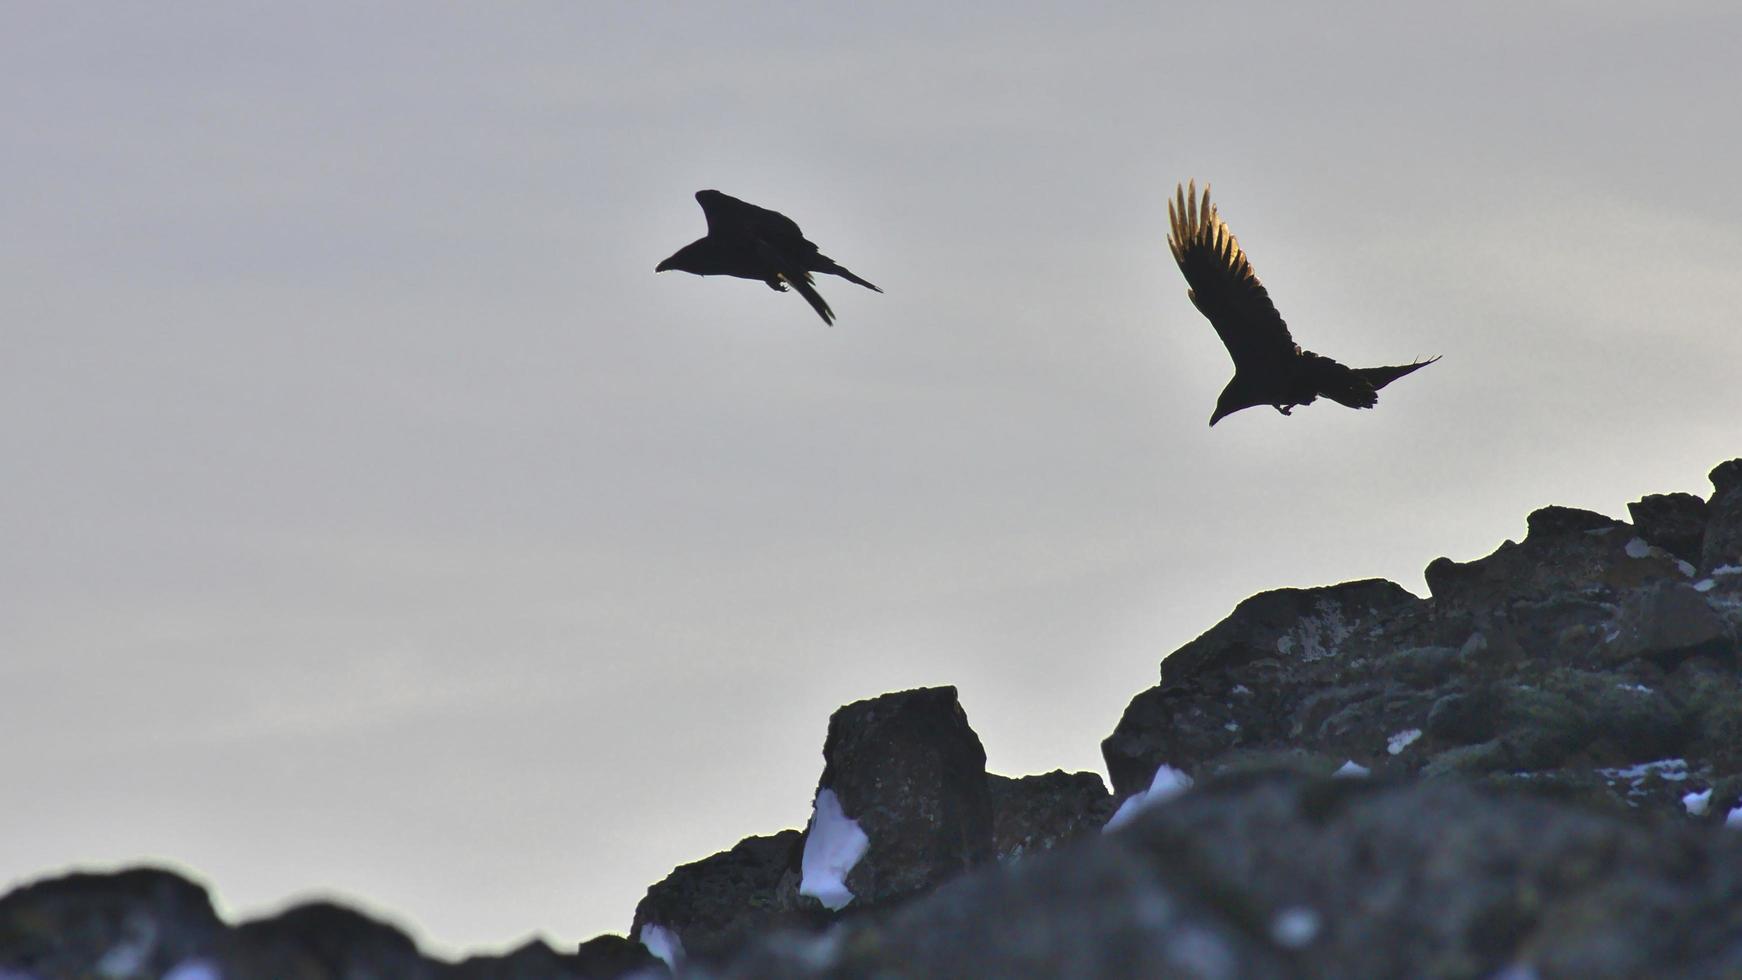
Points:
x=749 y=242
x=1269 y=367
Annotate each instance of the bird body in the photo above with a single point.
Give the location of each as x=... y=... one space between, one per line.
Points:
x=752 y=242
x=1269 y=367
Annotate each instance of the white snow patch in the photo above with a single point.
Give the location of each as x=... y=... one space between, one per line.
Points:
x=1727 y=570
x=1669 y=770
x=833 y=843
x=1232 y=726
x=1733 y=818
x=1517 y=971
x=1240 y=689
x=1685 y=567
x=1697 y=803
x=1167 y=784
x=1637 y=548
x=1705 y=585
x=663 y=943
x=1402 y=740
x=1352 y=770
x=1295 y=927
x=1635 y=688
x=194 y=969
x=127 y=957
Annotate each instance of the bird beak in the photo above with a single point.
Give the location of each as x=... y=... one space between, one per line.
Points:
x=661 y=267
x=1217 y=417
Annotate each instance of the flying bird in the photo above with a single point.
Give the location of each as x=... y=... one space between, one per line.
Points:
x=1269 y=367
x=749 y=242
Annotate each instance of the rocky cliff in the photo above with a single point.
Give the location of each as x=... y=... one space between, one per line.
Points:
x=1529 y=773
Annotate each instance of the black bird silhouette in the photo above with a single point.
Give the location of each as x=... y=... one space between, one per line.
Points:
x=749 y=242
x=1269 y=367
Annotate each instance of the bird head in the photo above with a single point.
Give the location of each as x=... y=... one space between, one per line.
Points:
x=1233 y=398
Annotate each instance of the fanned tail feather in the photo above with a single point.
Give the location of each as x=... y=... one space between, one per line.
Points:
x=803 y=286
x=1379 y=377
x=833 y=268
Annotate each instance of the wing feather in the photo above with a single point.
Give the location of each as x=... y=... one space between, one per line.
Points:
x=730 y=217
x=1223 y=286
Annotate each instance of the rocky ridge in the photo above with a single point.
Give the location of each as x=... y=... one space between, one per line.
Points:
x=1525 y=774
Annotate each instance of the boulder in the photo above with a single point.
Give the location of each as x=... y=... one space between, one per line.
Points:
x=908 y=770
x=1042 y=813
x=1675 y=522
x=135 y=923
x=1722 y=546
x=713 y=905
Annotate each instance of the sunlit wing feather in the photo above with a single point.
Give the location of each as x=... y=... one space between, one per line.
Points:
x=1223 y=286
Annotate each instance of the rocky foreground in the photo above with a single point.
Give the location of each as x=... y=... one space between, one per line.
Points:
x=1528 y=774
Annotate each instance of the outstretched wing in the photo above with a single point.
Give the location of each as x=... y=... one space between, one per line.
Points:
x=730 y=217
x=1223 y=286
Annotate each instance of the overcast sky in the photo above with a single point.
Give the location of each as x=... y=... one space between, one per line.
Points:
x=378 y=524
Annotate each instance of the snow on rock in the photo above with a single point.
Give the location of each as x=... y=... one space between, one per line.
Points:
x=1696 y=803
x=1167 y=784
x=661 y=942
x=1734 y=818
x=1295 y=927
x=1669 y=770
x=1705 y=585
x=1402 y=740
x=1352 y=770
x=833 y=843
x=194 y=969
x=1638 y=548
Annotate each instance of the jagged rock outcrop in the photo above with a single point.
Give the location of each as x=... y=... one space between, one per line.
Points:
x=1287 y=876
x=1722 y=543
x=1527 y=773
x=153 y=924
x=138 y=922
x=1586 y=658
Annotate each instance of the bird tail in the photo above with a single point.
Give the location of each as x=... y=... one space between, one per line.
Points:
x=1379 y=377
x=1355 y=387
x=803 y=285
x=833 y=268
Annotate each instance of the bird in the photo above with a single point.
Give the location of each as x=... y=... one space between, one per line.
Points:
x=753 y=242
x=1269 y=367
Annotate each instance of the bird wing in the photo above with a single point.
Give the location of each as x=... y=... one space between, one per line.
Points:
x=1223 y=286
x=729 y=216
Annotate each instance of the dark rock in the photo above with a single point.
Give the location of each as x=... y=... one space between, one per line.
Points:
x=1102 y=909
x=1723 y=541
x=1555 y=521
x=603 y=958
x=713 y=905
x=1041 y=813
x=610 y=957
x=908 y=769
x=321 y=939
x=1291 y=624
x=1284 y=877
x=1675 y=522
x=1666 y=622
x=1285 y=665
x=139 y=922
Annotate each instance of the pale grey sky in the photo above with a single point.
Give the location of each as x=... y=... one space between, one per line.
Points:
x=379 y=524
